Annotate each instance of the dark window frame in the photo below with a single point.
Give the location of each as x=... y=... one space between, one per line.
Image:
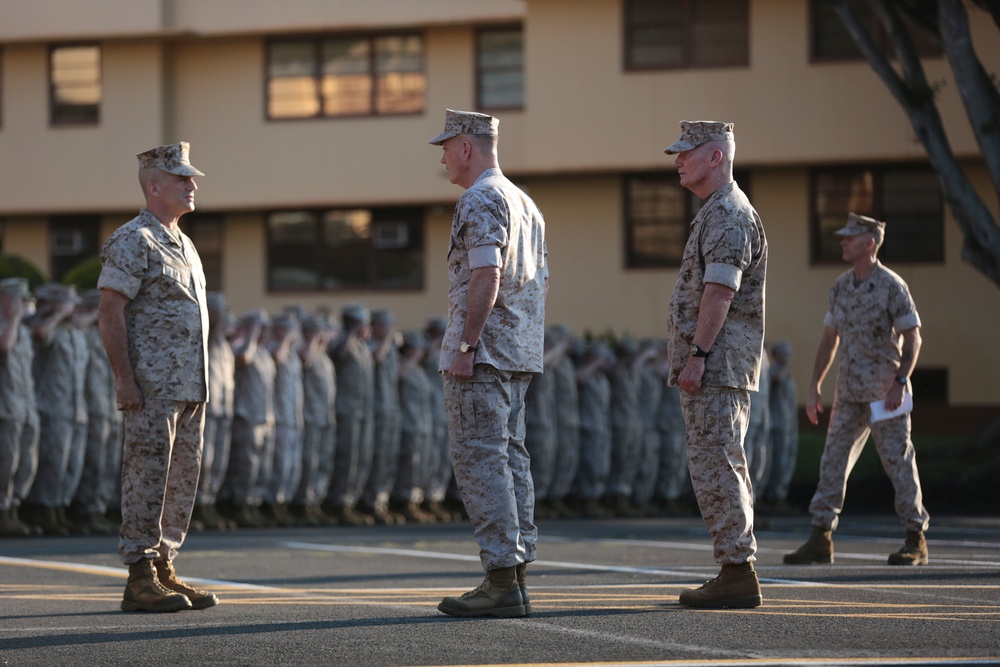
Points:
x=372 y=73
x=479 y=70
x=878 y=211
x=322 y=256
x=688 y=46
x=196 y=225
x=691 y=203
x=927 y=46
x=83 y=228
x=55 y=120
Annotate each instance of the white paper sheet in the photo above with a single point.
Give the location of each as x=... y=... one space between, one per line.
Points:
x=879 y=413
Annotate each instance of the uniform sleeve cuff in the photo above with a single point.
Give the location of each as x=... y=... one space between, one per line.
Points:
x=724 y=274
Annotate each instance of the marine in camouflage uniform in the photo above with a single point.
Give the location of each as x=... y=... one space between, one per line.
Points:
x=286 y=468
x=784 y=411
x=494 y=342
x=594 y=391
x=319 y=384
x=672 y=479
x=18 y=416
x=758 y=439
x=104 y=427
x=540 y=431
x=872 y=322
x=154 y=322
x=59 y=368
x=354 y=406
x=626 y=429
x=386 y=419
x=218 y=415
x=567 y=423
x=716 y=337
x=417 y=429
x=252 y=443
x=650 y=388
x=438 y=464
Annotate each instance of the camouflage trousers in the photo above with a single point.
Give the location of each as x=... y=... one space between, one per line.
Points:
x=91 y=496
x=61 y=446
x=317 y=464
x=27 y=465
x=414 y=468
x=626 y=456
x=214 y=457
x=161 y=462
x=492 y=466
x=644 y=484
x=352 y=460
x=672 y=476
x=845 y=438
x=386 y=433
x=567 y=461
x=10 y=458
x=715 y=420
x=286 y=471
x=246 y=451
x=439 y=470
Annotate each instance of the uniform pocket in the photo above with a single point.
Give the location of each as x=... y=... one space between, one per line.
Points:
x=178 y=273
x=480 y=407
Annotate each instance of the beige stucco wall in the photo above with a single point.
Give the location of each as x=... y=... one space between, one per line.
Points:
x=77 y=169
x=587 y=113
x=198 y=75
x=33 y=20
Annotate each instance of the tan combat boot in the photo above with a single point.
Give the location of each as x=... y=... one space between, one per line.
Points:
x=520 y=573
x=817 y=549
x=914 y=552
x=144 y=592
x=499 y=595
x=736 y=587
x=168 y=578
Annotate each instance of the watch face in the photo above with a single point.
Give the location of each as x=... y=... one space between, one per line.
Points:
x=694 y=349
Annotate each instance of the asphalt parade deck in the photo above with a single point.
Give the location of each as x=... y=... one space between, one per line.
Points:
x=604 y=593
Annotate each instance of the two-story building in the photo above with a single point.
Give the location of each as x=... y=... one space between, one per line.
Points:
x=310 y=119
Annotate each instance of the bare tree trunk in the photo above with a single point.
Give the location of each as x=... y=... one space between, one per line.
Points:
x=915 y=95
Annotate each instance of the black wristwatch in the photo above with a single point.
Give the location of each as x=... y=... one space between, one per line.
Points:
x=464 y=347
x=698 y=352
x=901 y=379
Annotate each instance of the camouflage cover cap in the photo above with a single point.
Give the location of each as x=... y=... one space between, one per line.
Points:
x=414 y=339
x=172 y=159
x=313 y=323
x=694 y=133
x=55 y=292
x=355 y=312
x=382 y=316
x=466 y=122
x=256 y=316
x=216 y=301
x=861 y=224
x=15 y=287
x=436 y=324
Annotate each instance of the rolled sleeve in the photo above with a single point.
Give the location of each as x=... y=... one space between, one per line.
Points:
x=482 y=256
x=115 y=279
x=906 y=322
x=724 y=274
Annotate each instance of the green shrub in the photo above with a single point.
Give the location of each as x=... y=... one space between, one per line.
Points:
x=84 y=275
x=13 y=266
